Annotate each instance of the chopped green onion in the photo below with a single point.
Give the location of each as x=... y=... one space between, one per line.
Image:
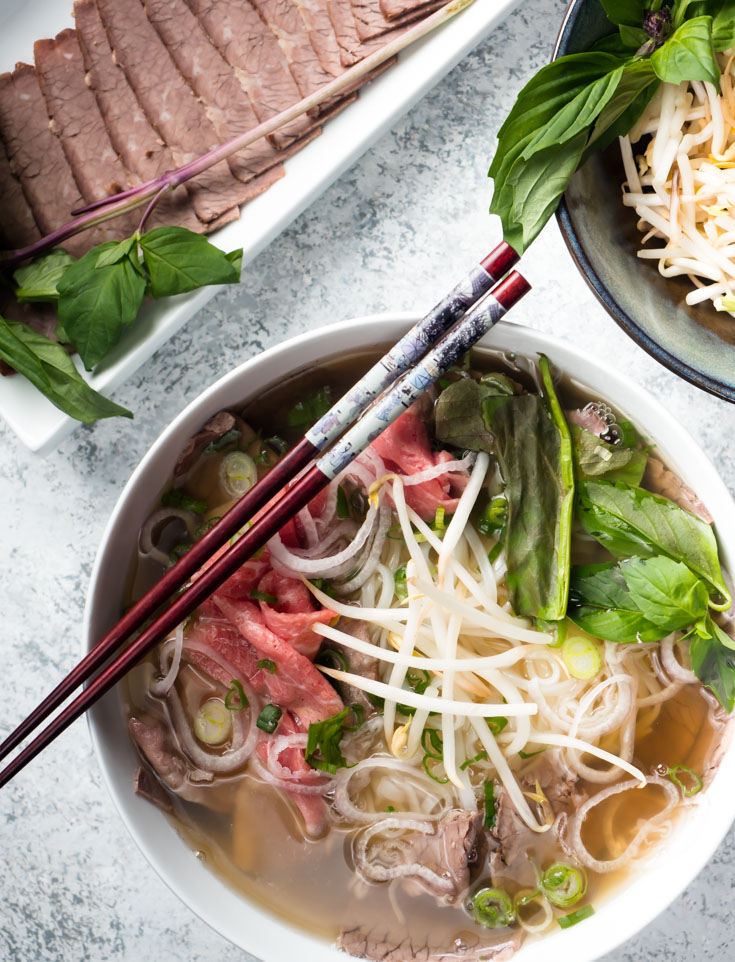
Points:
x=494 y=516
x=557 y=629
x=496 y=725
x=238 y=473
x=264 y=596
x=178 y=551
x=359 y=712
x=268 y=718
x=205 y=527
x=331 y=657
x=236 y=691
x=399 y=582
x=435 y=748
x=325 y=737
x=493 y=908
x=479 y=757
x=391 y=808
x=213 y=723
x=496 y=550
x=439 y=519
x=176 y=498
x=418 y=684
x=343 y=509
x=525 y=897
x=567 y=921
x=564 y=885
x=219 y=444
x=490 y=813
x=686 y=790
x=531 y=754
x=581 y=657
x=267 y=665
x=324 y=586
x=304 y=413
x=425 y=762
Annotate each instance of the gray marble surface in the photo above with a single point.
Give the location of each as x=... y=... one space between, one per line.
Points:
x=394 y=232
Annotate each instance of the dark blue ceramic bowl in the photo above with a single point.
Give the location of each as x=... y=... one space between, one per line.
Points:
x=698 y=343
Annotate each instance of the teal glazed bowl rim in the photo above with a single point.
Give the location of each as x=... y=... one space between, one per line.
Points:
x=566 y=224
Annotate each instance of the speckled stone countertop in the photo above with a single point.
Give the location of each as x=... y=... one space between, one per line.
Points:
x=394 y=232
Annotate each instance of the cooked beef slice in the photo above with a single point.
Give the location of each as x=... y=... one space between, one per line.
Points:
x=321 y=34
x=288 y=26
x=372 y=23
x=357 y=662
x=131 y=134
x=661 y=481
x=17 y=226
x=215 y=427
x=399 y=8
x=77 y=122
x=352 y=48
x=512 y=837
x=172 y=769
x=382 y=946
x=248 y=45
x=214 y=81
x=37 y=160
x=170 y=104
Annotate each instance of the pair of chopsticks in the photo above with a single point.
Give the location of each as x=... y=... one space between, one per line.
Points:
x=419 y=358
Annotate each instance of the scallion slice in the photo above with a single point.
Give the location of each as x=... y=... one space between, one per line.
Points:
x=264 y=596
x=582 y=657
x=267 y=664
x=236 y=692
x=238 y=473
x=564 y=885
x=490 y=813
x=686 y=790
x=268 y=719
x=213 y=723
x=493 y=908
x=567 y=921
x=479 y=757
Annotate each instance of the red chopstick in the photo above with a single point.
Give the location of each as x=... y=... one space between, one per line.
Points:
x=446 y=352
x=476 y=283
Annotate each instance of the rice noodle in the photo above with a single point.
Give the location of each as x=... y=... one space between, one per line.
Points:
x=674 y=669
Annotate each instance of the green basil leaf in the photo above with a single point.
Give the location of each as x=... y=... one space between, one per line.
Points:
x=632 y=37
x=688 y=54
x=723 y=24
x=612 y=44
x=714 y=665
x=629 y=12
x=595 y=458
x=97 y=303
x=632 y=95
x=179 y=261
x=600 y=604
x=116 y=252
x=631 y=521
x=48 y=366
x=458 y=416
x=665 y=591
x=533 y=448
x=37 y=281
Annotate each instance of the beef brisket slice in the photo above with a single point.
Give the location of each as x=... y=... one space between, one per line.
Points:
x=248 y=45
x=78 y=123
x=37 y=159
x=372 y=23
x=170 y=104
x=17 y=226
x=391 y=9
x=131 y=134
x=288 y=26
x=389 y=947
x=321 y=34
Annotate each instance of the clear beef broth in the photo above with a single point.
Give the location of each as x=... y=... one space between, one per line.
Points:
x=251 y=836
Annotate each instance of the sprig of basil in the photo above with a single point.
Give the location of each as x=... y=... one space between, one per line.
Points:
x=37 y=281
x=48 y=366
x=595 y=458
x=688 y=54
x=179 y=261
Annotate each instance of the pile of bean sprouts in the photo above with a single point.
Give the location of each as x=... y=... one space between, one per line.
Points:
x=682 y=186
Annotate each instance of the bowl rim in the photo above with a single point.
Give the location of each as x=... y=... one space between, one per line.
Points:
x=268 y=936
x=568 y=232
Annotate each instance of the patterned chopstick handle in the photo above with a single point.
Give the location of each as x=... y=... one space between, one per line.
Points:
x=412 y=346
x=448 y=351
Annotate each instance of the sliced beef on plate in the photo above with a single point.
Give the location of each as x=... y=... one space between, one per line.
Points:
x=321 y=35
x=131 y=134
x=343 y=21
x=170 y=104
x=391 y=9
x=78 y=123
x=372 y=23
x=380 y=946
x=214 y=81
x=248 y=45
x=661 y=481
x=17 y=226
x=37 y=160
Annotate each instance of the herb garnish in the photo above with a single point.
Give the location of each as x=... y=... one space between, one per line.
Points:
x=268 y=719
x=323 y=749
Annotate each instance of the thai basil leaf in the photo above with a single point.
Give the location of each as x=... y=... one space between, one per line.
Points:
x=600 y=604
x=179 y=261
x=97 y=303
x=709 y=628
x=459 y=421
x=632 y=37
x=723 y=24
x=48 y=366
x=37 y=281
x=534 y=454
x=115 y=253
x=595 y=458
x=632 y=95
x=631 y=521
x=688 y=54
x=629 y=12
x=714 y=665
x=665 y=591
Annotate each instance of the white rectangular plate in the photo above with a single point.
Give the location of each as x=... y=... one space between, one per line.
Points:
x=40 y=425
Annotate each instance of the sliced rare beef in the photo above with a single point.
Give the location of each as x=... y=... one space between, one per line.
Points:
x=214 y=81
x=661 y=481
x=372 y=23
x=513 y=839
x=469 y=946
x=131 y=134
x=247 y=44
x=170 y=104
x=78 y=123
x=357 y=662
x=37 y=160
x=17 y=226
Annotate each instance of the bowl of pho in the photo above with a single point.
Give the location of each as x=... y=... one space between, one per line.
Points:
x=648 y=220
x=471 y=703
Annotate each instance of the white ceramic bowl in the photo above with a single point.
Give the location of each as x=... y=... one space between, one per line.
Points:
x=650 y=889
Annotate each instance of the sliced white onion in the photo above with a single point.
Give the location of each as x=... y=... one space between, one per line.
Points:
x=145 y=538
x=323 y=567
x=162 y=687
x=243 y=739
x=674 y=669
